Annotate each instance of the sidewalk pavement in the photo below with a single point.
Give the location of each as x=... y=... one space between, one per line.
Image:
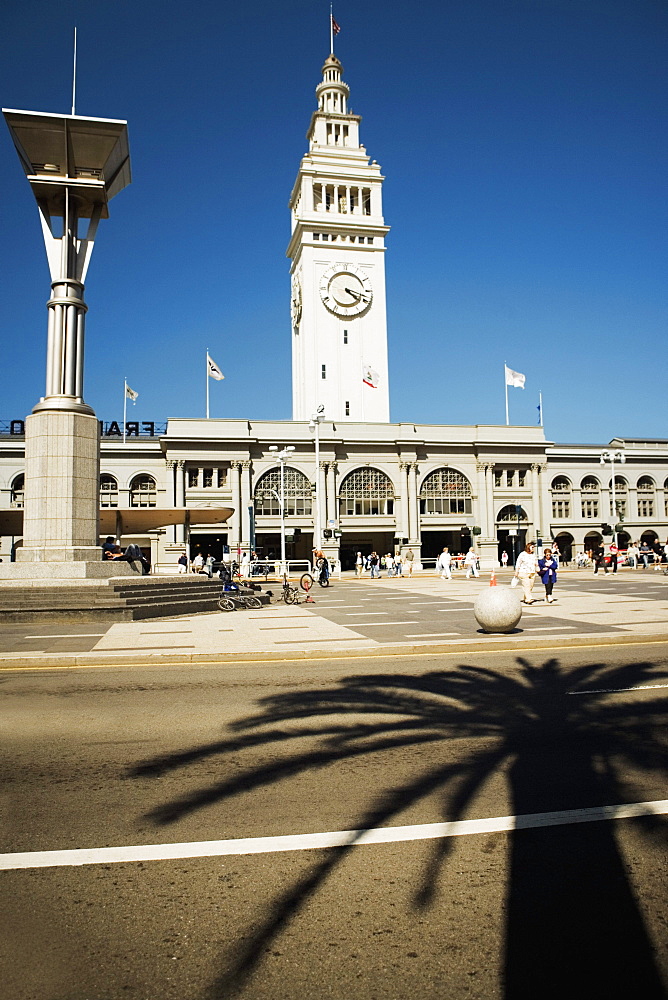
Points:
x=435 y=616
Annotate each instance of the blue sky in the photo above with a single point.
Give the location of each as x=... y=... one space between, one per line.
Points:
x=525 y=148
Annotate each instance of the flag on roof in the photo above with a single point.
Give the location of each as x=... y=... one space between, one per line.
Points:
x=131 y=394
x=335 y=27
x=212 y=369
x=515 y=379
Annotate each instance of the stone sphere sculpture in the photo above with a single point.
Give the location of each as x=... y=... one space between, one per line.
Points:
x=497 y=609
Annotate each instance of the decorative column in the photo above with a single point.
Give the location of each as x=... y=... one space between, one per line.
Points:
x=402 y=512
x=246 y=473
x=180 y=498
x=236 y=521
x=74 y=166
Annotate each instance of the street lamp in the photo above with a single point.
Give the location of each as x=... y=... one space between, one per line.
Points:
x=612 y=457
x=282 y=456
x=314 y=425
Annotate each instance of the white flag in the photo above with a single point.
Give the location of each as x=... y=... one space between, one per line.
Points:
x=131 y=394
x=212 y=369
x=369 y=376
x=515 y=379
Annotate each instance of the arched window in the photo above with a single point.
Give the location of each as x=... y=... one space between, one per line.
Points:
x=143 y=492
x=108 y=491
x=297 y=491
x=509 y=514
x=18 y=488
x=445 y=491
x=645 y=496
x=561 y=497
x=589 y=502
x=366 y=491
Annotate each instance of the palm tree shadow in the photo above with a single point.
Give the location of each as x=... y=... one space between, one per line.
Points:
x=573 y=925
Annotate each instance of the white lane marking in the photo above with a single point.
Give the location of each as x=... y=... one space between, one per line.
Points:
x=354 y=625
x=429 y=635
x=548 y=628
x=339 y=838
x=360 y=614
x=638 y=687
x=70 y=635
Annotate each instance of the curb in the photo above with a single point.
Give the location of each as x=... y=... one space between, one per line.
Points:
x=492 y=644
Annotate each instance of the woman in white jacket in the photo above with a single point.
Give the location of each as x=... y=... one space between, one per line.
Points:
x=526 y=568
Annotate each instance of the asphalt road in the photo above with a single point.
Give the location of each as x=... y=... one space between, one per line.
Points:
x=127 y=757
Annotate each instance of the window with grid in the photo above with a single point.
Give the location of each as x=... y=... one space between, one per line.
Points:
x=108 y=491
x=509 y=513
x=193 y=478
x=366 y=491
x=590 y=508
x=645 y=497
x=561 y=508
x=297 y=491
x=143 y=492
x=445 y=491
x=590 y=484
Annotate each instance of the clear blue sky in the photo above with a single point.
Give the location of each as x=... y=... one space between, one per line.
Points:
x=525 y=147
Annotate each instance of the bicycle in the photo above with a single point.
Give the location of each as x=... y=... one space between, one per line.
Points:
x=230 y=600
x=291 y=595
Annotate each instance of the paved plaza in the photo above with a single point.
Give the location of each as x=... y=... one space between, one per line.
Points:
x=364 y=617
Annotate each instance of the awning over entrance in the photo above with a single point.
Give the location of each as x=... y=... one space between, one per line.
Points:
x=119 y=521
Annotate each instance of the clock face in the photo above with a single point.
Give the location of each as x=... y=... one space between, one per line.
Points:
x=296 y=301
x=345 y=290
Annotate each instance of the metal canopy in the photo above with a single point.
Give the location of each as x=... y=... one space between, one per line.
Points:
x=90 y=157
x=119 y=521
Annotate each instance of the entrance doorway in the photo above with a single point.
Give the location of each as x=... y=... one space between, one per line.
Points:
x=381 y=542
x=208 y=544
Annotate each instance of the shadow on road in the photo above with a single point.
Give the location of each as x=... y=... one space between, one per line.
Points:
x=573 y=924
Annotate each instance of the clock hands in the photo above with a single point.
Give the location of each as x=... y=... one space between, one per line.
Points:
x=356 y=295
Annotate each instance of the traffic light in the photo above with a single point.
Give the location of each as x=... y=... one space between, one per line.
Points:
x=327 y=533
x=606 y=529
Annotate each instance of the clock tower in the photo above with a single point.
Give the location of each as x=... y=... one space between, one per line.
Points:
x=339 y=325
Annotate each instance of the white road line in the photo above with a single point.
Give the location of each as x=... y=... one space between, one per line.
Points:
x=70 y=635
x=340 y=838
x=548 y=628
x=360 y=614
x=354 y=625
x=638 y=687
x=429 y=635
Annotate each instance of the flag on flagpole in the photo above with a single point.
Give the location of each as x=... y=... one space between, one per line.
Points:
x=516 y=379
x=335 y=27
x=131 y=394
x=212 y=369
x=369 y=376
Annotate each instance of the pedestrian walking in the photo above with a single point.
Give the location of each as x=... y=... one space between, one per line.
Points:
x=504 y=558
x=471 y=563
x=359 y=564
x=526 y=568
x=398 y=565
x=598 y=558
x=547 y=567
x=443 y=564
x=409 y=557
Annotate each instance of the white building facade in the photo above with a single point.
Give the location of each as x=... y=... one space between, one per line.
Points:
x=369 y=484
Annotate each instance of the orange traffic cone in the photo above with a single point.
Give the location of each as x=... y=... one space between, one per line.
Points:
x=492 y=579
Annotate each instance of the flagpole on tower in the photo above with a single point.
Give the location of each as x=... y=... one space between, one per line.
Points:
x=207 y=383
x=125 y=405
x=505 y=379
x=331 y=29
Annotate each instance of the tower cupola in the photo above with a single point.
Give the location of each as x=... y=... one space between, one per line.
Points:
x=332 y=93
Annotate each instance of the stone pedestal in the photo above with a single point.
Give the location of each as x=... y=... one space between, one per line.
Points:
x=61 y=514
x=488 y=550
